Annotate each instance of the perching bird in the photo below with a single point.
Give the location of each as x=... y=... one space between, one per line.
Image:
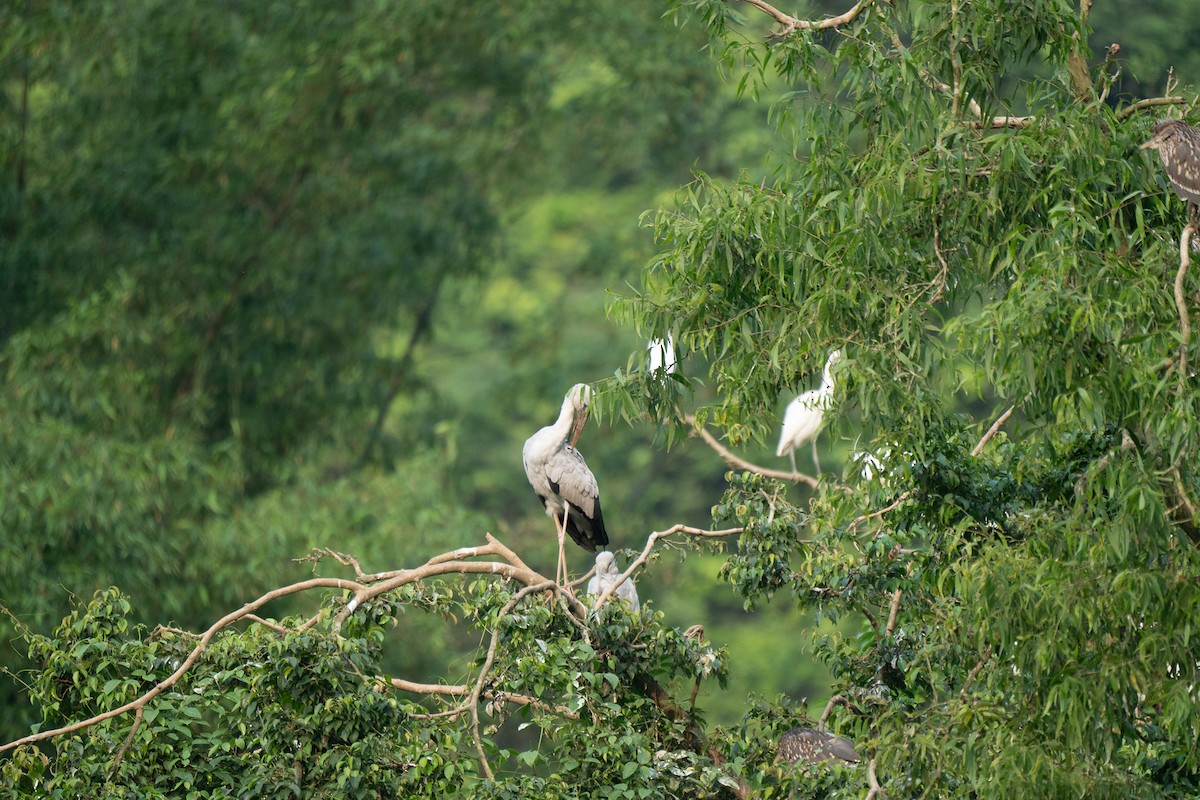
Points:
x=563 y=481
x=804 y=415
x=813 y=747
x=606 y=575
x=1178 y=145
x=662 y=355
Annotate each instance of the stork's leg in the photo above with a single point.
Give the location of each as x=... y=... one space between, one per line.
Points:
x=792 y=456
x=816 y=461
x=560 y=574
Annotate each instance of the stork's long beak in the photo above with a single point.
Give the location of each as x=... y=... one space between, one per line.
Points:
x=577 y=427
x=1148 y=143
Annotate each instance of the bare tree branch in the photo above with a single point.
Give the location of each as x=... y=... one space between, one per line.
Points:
x=974 y=673
x=991 y=432
x=792 y=24
x=836 y=700
x=854 y=523
x=125 y=745
x=876 y=790
x=891 y=623
x=1185 y=324
x=1150 y=102
x=740 y=463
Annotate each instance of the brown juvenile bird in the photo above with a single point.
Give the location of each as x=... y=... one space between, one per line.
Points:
x=813 y=747
x=1178 y=144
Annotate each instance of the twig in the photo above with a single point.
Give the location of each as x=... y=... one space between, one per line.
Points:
x=1185 y=324
x=124 y=748
x=974 y=673
x=645 y=555
x=1185 y=503
x=275 y=626
x=740 y=463
x=854 y=523
x=987 y=437
x=944 y=272
x=792 y=24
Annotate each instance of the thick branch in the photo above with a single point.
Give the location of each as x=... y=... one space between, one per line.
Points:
x=512 y=568
x=876 y=790
x=740 y=463
x=891 y=623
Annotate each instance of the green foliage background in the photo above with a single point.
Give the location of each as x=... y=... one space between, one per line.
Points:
x=280 y=275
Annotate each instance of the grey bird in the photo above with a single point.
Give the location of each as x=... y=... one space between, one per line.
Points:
x=1178 y=145
x=813 y=747
x=562 y=480
x=606 y=575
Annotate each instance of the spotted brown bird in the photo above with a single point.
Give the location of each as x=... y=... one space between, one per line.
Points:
x=1178 y=145
x=813 y=746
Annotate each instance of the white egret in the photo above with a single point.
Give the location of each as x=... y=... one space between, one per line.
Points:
x=805 y=414
x=662 y=355
x=606 y=575
x=562 y=480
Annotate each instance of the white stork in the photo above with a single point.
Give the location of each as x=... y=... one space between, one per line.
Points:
x=606 y=575
x=805 y=414
x=562 y=480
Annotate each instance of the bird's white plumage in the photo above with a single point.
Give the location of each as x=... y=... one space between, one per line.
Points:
x=561 y=478
x=805 y=414
x=662 y=355
x=606 y=575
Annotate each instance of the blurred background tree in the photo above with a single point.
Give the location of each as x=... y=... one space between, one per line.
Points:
x=281 y=274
